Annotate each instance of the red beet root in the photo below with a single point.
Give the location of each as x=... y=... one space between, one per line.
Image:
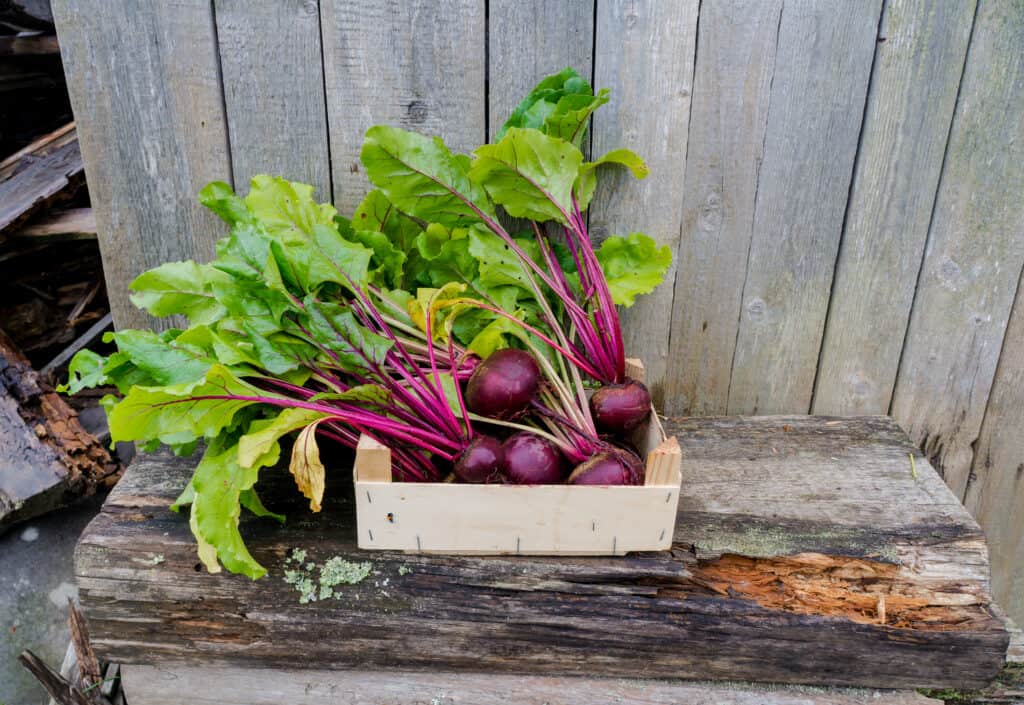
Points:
x=620 y=408
x=611 y=467
x=529 y=459
x=481 y=461
x=503 y=384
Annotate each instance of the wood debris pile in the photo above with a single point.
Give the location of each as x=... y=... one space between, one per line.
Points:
x=52 y=448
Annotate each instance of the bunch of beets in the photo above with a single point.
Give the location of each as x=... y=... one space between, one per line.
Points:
x=461 y=316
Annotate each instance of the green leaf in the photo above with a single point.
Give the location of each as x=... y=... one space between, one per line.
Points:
x=587 y=181
x=165 y=362
x=389 y=259
x=376 y=212
x=84 y=372
x=287 y=208
x=261 y=445
x=187 y=496
x=251 y=501
x=568 y=121
x=336 y=327
x=220 y=198
x=322 y=256
x=499 y=265
x=441 y=255
x=422 y=177
x=184 y=288
x=530 y=174
x=541 y=103
x=182 y=412
x=633 y=265
x=492 y=337
x=216 y=508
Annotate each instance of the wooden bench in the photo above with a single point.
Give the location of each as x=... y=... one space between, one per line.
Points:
x=808 y=550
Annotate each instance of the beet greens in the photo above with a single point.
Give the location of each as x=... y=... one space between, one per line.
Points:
x=421 y=321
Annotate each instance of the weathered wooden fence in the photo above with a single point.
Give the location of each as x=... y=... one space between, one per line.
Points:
x=842 y=181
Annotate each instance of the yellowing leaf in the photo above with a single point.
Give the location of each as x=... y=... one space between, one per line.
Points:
x=306 y=467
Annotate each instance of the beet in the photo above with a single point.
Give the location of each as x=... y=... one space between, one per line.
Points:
x=503 y=384
x=481 y=461
x=529 y=459
x=610 y=467
x=620 y=408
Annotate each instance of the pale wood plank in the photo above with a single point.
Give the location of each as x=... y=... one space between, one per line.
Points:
x=913 y=93
x=974 y=255
x=274 y=90
x=530 y=39
x=146 y=84
x=419 y=66
x=645 y=55
x=995 y=489
x=822 y=66
x=736 y=46
x=162 y=685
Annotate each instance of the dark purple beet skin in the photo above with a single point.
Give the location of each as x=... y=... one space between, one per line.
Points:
x=611 y=467
x=620 y=408
x=529 y=459
x=503 y=384
x=481 y=461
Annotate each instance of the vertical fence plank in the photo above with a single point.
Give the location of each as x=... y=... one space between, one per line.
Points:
x=735 y=56
x=530 y=39
x=416 y=65
x=995 y=490
x=822 y=67
x=645 y=55
x=274 y=90
x=910 y=108
x=146 y=85
x=974 y=254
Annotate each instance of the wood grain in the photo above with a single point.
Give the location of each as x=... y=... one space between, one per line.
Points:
x=38 y=181
x=736 y=45
x=822 y=66
x=974 y=255
x=531 y=39
x=148 y=84
x=645 y=55
x=913 y=93
x=995 y=489
x=791 y=531
x=419 y=66
x=274 y=90
x=157 y=685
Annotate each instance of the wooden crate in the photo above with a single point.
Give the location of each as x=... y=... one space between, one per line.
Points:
x=554 y=520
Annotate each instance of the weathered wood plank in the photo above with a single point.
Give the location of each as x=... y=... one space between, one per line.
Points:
x=822 y=66
x=736 y=43
x=419 y=66
x=530 y=39
x=806 y=551
x=149 y=85
x=274 y=90
x=39 y=180
x=995 y=488
x=645 y=55
x=974 y=255
x=157 y=685
x=910 y=108
x=67 y=224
